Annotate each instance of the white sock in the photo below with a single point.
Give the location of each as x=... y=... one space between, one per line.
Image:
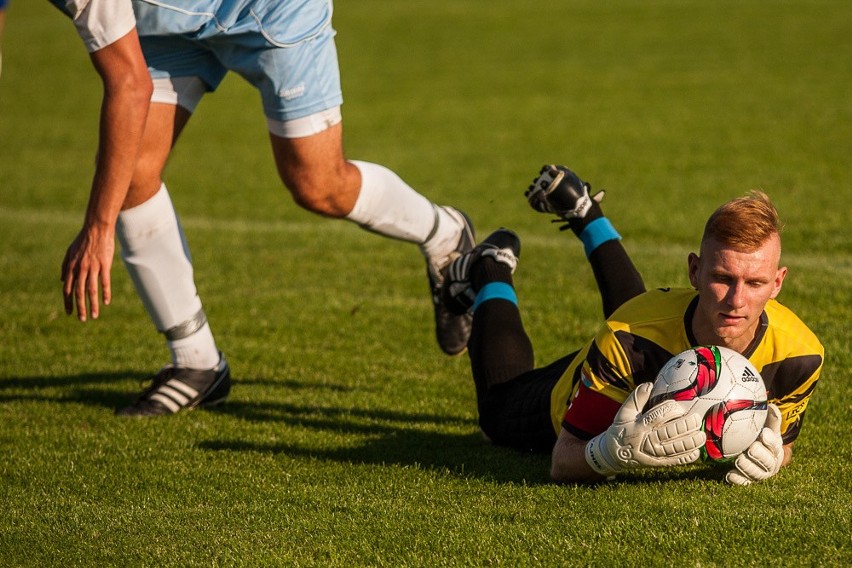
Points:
x=154 y=251
x=388 y=206
x=197 y=351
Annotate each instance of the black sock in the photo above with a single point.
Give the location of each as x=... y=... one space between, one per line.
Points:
x=489 y=270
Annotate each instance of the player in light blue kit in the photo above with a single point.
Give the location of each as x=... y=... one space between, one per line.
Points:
x=286 y=50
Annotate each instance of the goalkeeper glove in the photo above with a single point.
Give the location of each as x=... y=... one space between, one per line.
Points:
x=662 y=436
x=764 y=456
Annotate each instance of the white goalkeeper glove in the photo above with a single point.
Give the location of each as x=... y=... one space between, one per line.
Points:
x=764 y=456
x=663 y=436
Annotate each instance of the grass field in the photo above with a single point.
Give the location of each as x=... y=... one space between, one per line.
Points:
x=349 y=438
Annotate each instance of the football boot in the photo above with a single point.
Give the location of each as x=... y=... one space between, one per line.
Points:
x=503 y=245
x=452 y=330
x=176 y=388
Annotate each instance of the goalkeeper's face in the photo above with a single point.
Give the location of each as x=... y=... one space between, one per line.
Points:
x=734 y=287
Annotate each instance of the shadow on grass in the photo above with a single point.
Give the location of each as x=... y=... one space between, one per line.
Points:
x=462 y=455
x=381 y=436
x=82 y=389
x=412 y=439
x=74 y=388
x=368 y=436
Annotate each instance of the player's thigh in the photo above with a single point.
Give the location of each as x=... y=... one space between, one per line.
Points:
x=517 y=413
x=172 y=56
x=299 y=156
x=294 y=81
x=165 y=123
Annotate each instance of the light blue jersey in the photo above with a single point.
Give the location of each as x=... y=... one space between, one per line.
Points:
x=285 y=48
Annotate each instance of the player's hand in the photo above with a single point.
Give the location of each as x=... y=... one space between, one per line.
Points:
x=764 y=457
x=85 y=269
x=662 y=436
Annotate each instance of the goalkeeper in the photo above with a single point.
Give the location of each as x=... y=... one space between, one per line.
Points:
x=587 y=407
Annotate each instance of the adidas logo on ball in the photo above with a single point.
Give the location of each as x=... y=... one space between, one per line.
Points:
x=749 y=376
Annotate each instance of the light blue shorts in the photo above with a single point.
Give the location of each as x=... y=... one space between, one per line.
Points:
x=285 y=48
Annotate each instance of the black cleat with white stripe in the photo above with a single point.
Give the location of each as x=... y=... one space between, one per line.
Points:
x=174 y=389
x=503 y=246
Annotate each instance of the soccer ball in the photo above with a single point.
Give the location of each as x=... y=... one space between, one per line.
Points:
x=722 y=387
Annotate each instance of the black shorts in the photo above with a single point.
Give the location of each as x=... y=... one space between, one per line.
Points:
x=517 y=413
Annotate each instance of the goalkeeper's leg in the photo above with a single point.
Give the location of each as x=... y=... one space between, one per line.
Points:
x=513 y=398
x=499 y=346
x=617 y=278
x=559 y=191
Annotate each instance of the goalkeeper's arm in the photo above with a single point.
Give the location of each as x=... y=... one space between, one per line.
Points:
x=663 y=436
x=568 y=462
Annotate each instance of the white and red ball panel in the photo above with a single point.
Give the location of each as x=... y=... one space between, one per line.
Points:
x=722 y=387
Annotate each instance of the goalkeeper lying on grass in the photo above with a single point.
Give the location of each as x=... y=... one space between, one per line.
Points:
x=587 y=407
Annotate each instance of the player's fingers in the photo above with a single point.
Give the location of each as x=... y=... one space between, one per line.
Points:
x=64 y=269
x=80 y=295
x=682 y=446
x=761 y=455
x=67 y=295
x=754 y=464
x=67 y=285
x=92 y=293
x=681 y=427
x=681 y=437
x=106 y=286
x=68 y=301
x=634 y=404
x=771 y=439
x=684 y=443
x=673 y=459
x=734 y=477
x=641 y=394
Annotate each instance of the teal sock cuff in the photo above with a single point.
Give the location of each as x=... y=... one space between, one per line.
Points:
x=495 y=291
x=597 y=233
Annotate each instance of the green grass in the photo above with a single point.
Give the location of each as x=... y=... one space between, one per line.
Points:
x=349 y=439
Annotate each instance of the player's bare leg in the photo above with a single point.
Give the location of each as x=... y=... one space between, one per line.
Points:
x=321 y=180
x=165 y=123
x=314 y=170
x=154 y=251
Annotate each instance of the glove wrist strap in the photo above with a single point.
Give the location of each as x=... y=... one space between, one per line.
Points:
x=596 y=457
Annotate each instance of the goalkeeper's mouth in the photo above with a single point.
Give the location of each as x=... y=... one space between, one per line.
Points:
x=730 y=320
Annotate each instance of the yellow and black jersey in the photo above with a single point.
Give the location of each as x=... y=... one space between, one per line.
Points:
x=642 y=335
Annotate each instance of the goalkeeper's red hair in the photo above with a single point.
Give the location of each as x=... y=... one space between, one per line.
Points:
x=744 y=223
